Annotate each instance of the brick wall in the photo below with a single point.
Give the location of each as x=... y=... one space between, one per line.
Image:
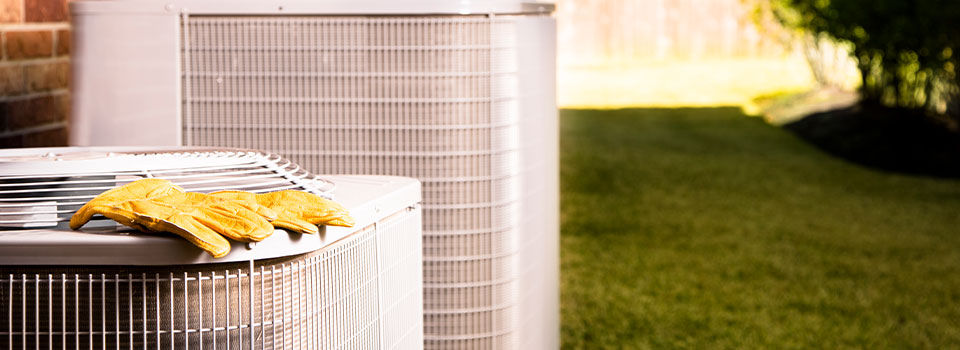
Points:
x=34 y=73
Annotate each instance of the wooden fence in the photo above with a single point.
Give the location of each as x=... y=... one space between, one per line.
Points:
x=604 y=32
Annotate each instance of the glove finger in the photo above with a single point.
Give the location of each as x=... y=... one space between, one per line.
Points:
x=124 y=217
x=247 y=200
x=194 y=232
x=86 y=212
x=141 y=228
x=296 y=225
x=145 y=210
x=91 y=208
x=320 y=210
x=235 y=222
x=234 y=195
x=344 y=221
x=331 y=217
x=263 y=211
x=139 y=189
x=222 y=216
x=81 y=217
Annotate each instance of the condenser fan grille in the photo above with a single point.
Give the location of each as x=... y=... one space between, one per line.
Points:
x=334 y=298
x=446 y=99
x=31 y=196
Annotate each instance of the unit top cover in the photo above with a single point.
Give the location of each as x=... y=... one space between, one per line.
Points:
x=312 y=7
x=41 y=188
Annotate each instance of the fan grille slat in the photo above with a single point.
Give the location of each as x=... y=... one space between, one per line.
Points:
x=48 y=198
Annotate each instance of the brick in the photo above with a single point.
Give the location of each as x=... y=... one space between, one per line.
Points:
x=11 y=80
x=64 y=41
x=47 y=138
x=11 y=11
x=45 y=10
x=29 y=44
x=47 y=76
x=22 y=114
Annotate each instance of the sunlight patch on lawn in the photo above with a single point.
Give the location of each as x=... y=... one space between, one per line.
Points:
x=710 y=82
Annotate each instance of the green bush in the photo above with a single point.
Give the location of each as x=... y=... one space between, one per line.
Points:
x=906 y=50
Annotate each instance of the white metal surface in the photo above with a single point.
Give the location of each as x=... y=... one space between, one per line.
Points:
x=73 y=173
x=349 y=288
x=362 y=292
x=124 y=87
x=539 y=251
x=464 y=103
x=40 y=189
x=368 y=198
x=310 y=7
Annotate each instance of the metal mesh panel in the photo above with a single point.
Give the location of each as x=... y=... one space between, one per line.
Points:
x=360 y=293
x=431 y=97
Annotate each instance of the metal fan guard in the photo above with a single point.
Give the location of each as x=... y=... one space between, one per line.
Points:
x=43 y=187
x=332 y=298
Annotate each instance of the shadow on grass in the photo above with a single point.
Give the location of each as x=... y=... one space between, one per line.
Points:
x=895 y=140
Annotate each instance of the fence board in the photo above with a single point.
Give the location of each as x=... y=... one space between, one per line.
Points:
x=603 y=32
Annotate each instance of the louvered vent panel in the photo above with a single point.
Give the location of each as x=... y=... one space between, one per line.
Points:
x=323 y=300
x=50 y=199
x=431 y=97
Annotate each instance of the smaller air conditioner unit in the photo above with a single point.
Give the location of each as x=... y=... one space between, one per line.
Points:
x=107 y=287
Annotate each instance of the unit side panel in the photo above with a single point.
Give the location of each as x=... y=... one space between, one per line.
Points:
x=125 y=85
x=538 y=256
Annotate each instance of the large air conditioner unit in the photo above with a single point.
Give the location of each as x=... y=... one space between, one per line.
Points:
x=110 y=288
x=459 y=94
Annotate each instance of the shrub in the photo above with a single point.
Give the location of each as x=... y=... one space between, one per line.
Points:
x=906 y=50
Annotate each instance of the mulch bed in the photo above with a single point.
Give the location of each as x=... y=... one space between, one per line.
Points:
x=896 y=140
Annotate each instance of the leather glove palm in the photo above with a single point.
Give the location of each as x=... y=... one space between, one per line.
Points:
x=201 y=219
x=140 y=189
x=296 y=210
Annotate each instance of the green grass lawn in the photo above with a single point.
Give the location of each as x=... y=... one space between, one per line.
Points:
x=707 y=229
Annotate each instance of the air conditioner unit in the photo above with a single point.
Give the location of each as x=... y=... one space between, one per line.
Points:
x=105 y=287
x=459 y=94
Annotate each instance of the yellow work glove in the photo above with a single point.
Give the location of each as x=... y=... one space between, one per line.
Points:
x=140 y=189
x=197 y=217
x=296 y=210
